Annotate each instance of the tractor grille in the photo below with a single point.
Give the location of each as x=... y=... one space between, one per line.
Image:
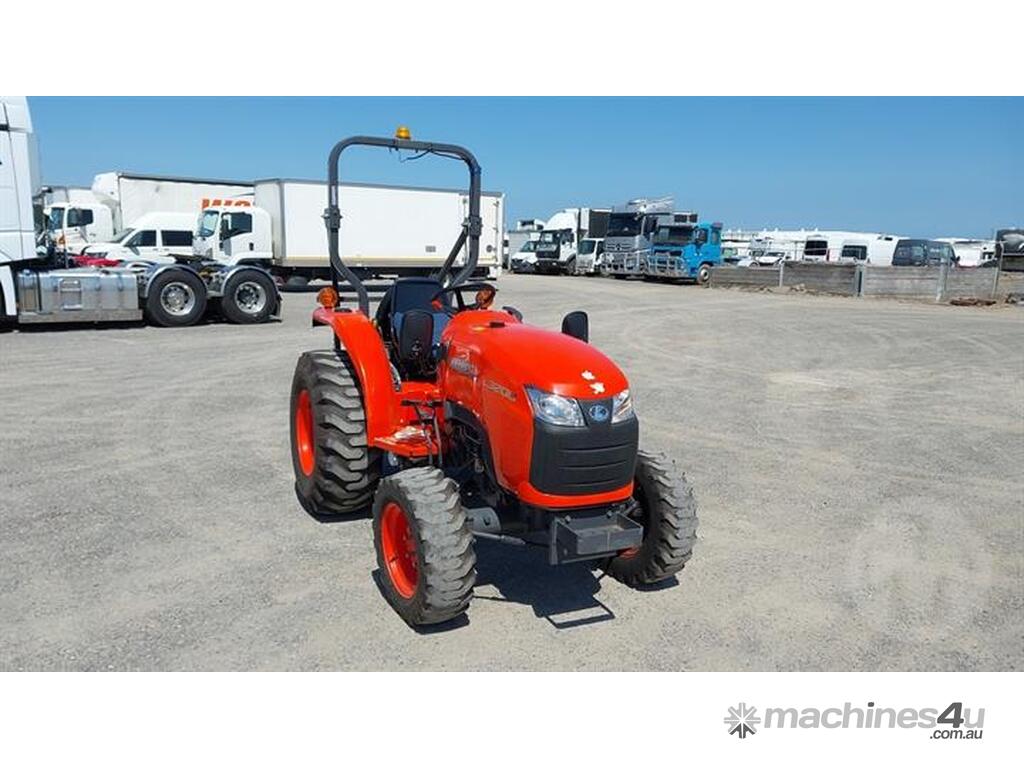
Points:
x=573 y=461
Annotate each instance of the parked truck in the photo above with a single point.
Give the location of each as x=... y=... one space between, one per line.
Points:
x=524 y=231
x=33 y=290
x=74 y=218
x=682 y=249
x=104 y=212
x=389 y=230
x=627 y=241
x=558 y=243
x=1009 y=250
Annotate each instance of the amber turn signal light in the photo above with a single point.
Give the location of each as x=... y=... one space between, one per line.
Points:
x=327 y=297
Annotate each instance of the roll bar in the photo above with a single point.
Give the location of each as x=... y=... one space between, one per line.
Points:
x=471 y=227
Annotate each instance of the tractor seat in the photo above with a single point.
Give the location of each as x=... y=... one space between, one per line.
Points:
x=409 y=293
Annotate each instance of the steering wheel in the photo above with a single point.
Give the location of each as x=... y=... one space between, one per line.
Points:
x=485 y=293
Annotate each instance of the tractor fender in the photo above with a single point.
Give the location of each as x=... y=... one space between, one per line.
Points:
x=360 y=339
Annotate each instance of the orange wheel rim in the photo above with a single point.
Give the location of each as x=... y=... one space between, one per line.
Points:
x=304 y=433
x=398 y=544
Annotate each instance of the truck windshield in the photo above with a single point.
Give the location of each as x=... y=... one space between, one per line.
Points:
x=56 y=220
x=208 y=223
x=123 y=235
x=549 y=237
x=587 y=247
x=674 y=235
x=529 y=246
x=623 y=225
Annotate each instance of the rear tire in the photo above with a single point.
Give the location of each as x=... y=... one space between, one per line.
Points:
x=250 y=296
x=336 y=472
x=668 y=512
x=424 y=546
x=176 y=298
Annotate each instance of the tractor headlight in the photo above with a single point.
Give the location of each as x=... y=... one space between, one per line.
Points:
x=555 y=409
x=622 y=406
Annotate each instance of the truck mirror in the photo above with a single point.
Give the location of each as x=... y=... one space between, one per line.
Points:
x=577 y=325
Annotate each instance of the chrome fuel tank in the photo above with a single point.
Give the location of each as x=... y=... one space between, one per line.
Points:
x=85 y=295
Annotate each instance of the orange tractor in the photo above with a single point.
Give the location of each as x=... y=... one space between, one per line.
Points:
x=456 y=420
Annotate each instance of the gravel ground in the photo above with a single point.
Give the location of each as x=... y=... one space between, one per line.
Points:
x=857 y=463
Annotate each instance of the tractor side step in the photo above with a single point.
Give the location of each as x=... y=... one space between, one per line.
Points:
x=592 y=537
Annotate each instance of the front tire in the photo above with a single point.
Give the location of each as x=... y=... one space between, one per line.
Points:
x=424 y=546
x=703 y=274
x=336 y=472
x=668 y=512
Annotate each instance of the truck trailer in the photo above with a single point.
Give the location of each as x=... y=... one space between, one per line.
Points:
x=389 y=230
x=33 y=290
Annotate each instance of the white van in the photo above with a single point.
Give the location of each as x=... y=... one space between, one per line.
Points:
x=158 y=237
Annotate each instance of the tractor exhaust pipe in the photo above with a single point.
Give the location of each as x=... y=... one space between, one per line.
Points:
x=471 y=227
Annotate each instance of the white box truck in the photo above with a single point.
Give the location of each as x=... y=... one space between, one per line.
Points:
x=385 y=230
x=100 y=215
x=558 y=243
x=32 y=290
x=130 y=195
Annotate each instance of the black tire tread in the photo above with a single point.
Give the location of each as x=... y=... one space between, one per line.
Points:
x=669 y=542
x=347 y=470
x=448 y=558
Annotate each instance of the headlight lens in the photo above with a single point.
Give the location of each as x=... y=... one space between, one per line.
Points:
x=622 y=406
x=555 y=409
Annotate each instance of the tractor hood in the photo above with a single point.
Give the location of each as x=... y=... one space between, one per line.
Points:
x=516 y=354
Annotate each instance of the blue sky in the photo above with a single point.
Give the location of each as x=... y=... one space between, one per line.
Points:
x=914 y=166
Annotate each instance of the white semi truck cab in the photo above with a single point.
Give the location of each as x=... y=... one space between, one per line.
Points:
x=233 y=234
x=76 y=219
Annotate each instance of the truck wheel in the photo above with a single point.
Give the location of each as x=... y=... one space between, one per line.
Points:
x=336 y=472
x=176 y=298
x=424 y=546
x=249 y=297
x=570 y=266
x=668 y=513
x=703 y=274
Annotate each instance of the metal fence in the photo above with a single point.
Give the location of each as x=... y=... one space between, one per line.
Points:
x=938 y=283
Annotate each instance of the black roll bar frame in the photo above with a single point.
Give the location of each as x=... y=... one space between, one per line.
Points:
x=471 y=226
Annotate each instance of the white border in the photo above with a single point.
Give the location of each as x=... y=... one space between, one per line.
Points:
x=466 y=47
x=525 y=720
